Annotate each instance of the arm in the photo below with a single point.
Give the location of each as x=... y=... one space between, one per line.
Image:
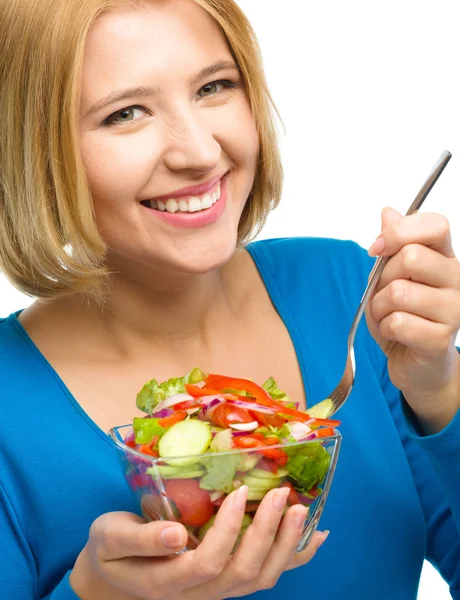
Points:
x=18 y=572
x=435 y=465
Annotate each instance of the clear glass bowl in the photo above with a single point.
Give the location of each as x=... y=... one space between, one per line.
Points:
x=186 y=489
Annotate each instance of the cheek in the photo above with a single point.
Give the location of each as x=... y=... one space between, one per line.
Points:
x=238 y=136
x=117 y=167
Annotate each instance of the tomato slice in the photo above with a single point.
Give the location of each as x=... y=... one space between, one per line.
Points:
x=193 y=503
x=172 y=419
x=224 y=414
x=267 y=420
x=293 y=497
x=245 y=441
x=268 y=465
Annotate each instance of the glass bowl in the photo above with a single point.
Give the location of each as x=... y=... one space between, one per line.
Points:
x=190 y=489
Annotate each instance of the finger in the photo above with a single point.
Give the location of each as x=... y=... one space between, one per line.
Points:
x=434 y=304
x=157 y=578
x=215 y=549
x=122 y=534
x=423 y=265
x=425 y=337
x=257 y=541
x=284 y=548
x=302 y=558
x=428 y=229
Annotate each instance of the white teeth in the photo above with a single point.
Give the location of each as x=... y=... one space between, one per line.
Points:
x=172 y=206
x=206 y=201
x=194 y=204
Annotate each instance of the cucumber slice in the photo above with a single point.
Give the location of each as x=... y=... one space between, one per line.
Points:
x=267 y=475
x=174 y=472
x=321 y=410
x=255 y=493
x=258 y=482
x=186 y=438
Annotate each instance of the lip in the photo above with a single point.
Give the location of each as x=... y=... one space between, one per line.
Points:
x=198 y=219
x=193 y=190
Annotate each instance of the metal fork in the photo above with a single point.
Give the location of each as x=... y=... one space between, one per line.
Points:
x=343 y=389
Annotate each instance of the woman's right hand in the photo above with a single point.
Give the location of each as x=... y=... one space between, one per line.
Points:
x=128 y=559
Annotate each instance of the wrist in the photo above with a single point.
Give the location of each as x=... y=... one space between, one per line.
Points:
x=436 y=411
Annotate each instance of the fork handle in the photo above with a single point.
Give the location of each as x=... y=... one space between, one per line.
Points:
x=374 y=276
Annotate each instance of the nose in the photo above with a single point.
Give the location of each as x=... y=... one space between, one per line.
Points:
x=191 y=145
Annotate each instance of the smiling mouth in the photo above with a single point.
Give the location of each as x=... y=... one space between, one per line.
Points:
x=186 y=204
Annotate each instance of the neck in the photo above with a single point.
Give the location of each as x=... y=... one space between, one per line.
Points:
x=175 y=313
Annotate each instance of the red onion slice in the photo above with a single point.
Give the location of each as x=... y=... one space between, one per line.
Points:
x=164 y=412
x=171 y=401
x=215 y=401
x=245 y=426
x=253 y=406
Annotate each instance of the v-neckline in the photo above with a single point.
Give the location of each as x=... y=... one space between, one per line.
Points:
x=273 y=293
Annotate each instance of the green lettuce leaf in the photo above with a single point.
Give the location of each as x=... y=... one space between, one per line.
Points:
x=273 y=390
x=153 y=393
x=220 y=472
x=146 y=429
x=307 y=464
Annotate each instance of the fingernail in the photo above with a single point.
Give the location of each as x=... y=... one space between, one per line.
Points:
x=377 y=247
x=300 y=516
x=239 y=499
x=323 y=539
x=279 y=498
x=172 y=537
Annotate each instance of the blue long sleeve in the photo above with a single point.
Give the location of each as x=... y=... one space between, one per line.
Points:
x=18 y=570
x=394 y=501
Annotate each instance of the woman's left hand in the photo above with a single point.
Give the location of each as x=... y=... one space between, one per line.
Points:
x=414 y=314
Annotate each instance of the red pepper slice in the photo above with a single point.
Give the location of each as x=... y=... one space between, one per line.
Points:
x=130 y=443
x=195 y=403
x=324 y=432
x=327 y=422
x=257 y=392
x=172 y=419
x=145 y=449
x=276 y=454
x=199 y=392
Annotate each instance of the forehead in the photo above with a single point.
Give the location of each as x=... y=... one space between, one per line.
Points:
x=150 y=43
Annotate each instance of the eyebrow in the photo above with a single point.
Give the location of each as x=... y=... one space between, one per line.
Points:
x=154 y=90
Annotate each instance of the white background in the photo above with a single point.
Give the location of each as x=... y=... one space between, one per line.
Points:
x=369 y=95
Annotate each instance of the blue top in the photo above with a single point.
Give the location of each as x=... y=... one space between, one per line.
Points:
x=395 y=498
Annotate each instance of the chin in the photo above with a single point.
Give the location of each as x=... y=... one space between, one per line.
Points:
x=199 y=260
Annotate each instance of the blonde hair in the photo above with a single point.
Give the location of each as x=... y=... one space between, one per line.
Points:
x=49 y=242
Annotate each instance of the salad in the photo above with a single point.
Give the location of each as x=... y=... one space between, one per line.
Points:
x=212 y=434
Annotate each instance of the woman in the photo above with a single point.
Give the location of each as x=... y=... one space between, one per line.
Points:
x=121 y=123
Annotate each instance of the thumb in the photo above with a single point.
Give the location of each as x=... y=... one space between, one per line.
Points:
x=121 y=534
x=389 y=215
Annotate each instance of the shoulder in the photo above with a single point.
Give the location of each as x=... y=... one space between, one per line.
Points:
x=310 y=261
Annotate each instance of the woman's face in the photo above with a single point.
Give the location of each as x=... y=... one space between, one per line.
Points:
x=167 y=137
